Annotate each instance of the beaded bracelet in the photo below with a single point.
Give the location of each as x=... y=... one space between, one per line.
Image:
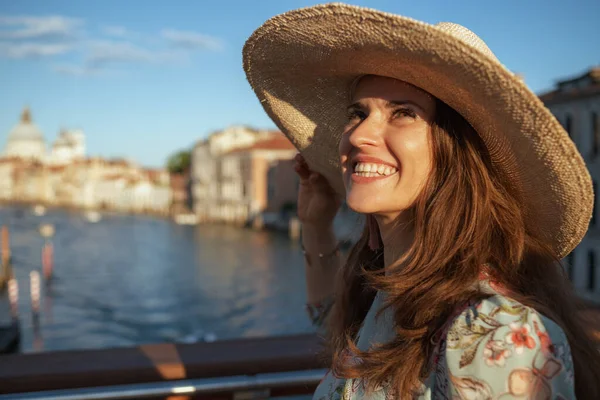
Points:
x=334 y=252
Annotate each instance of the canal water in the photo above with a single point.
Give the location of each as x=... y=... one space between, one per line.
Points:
x=129 y=280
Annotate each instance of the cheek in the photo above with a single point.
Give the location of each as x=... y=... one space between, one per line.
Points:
x=344 y=149
x=415 y=158
x=422 y=157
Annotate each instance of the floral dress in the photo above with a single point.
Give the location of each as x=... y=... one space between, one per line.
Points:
x=494 y=349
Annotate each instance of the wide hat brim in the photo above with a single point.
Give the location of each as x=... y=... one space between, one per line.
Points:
x=302 y=64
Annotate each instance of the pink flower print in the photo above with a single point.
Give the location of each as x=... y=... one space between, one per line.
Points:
x=520 y=338
x=496 y=353
x=545 y=342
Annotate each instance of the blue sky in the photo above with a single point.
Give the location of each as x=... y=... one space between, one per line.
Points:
x=146 y=78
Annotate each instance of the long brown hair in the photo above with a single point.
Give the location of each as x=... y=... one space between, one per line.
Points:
x=466 y=216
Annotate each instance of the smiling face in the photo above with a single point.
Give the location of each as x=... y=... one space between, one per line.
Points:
x=386 y=146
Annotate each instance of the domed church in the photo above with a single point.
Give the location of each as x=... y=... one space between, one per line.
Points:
x=25 y=140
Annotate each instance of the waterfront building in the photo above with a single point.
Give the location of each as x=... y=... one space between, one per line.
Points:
x=243 y=177
x=206 y=185
x=68 y=147
x=282 y=187
x=230 y=170
x=25 y=140
x=576 y=104
x=64 y=176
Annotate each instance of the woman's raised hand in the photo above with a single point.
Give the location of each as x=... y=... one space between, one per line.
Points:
x=318 y=203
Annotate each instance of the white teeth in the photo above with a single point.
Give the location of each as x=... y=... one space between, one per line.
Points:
x=371 y=169
x=367 y=174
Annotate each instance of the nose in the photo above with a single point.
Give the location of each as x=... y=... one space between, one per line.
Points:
x=368 y=133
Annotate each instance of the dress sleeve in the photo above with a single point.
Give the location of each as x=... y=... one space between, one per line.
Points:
x=500 y=349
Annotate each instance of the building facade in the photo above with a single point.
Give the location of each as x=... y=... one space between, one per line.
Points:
x=25 y=140
x=64 y=176
x=230 y=172
x=576 y=104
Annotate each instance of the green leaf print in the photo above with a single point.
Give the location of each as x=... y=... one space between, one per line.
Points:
x=468 y=356
x=480 y=329
x=508 y=309
x=488 y=320
x=461 y=337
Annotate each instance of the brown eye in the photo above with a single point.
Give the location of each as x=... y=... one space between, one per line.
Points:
x=354 y=115
x=405 y=112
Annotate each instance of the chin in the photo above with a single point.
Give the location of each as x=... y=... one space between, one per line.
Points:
x=362 y=208
x=363 y=204
x=369 y=204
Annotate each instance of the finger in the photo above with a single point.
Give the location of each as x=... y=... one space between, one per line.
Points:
x=321 y=182
x=300 y=158
x=314 y=178
x=302 y=171
x=302 y=161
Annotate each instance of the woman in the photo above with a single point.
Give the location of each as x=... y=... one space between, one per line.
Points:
x=472 y=193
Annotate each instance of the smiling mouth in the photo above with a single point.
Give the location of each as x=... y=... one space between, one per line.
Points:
x=369 y=172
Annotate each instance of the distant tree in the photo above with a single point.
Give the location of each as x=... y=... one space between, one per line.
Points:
x=179 y=162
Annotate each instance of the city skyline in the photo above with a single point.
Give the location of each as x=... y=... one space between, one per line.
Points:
x=148 y=80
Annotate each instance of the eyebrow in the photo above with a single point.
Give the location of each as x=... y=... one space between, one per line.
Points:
x=388 y=104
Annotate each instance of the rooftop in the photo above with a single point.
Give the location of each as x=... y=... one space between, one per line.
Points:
x=278 y=142
x=579 y=87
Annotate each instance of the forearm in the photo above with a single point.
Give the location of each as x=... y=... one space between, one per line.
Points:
x=320 y=271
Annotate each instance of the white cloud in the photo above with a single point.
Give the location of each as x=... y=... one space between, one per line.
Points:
x=103 y=53
x=75 y=70
x=116 y=31
x=30 y=27
x=54 y=36
x=191 y=40
x=33 y=50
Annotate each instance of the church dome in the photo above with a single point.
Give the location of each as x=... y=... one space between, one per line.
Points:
x=25 y=139
x=25 y=129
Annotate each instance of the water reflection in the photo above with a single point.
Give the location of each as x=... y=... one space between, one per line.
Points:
x=130 y=280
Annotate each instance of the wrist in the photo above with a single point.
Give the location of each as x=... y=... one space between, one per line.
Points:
x=318 y=228
x=317 y=257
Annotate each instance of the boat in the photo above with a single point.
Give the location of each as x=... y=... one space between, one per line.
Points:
x=47 y=230
x=39 y=210
x=186 y=219
x=93 y=216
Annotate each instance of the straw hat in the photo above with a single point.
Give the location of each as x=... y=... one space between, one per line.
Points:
x=301 y=65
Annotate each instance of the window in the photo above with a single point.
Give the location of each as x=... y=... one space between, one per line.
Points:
x=591 y=270
x=568 y=124
x=593 y=221
x=595 y=134
x=570 y=265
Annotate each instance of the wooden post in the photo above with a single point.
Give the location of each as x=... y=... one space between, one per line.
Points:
x=258 y=222
x=13 y=298
x=5 y=246
x=47 y=260
x=47 y=232
x=34 y=289
x=6 y=272
x=294 y=228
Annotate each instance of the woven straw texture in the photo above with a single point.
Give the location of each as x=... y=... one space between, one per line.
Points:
x=301 y=65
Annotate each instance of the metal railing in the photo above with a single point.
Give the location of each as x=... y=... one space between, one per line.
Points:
x=248 y=369
x=254 y=368
x=259 y=386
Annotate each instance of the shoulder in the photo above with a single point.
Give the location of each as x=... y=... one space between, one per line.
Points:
x=498 y=346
